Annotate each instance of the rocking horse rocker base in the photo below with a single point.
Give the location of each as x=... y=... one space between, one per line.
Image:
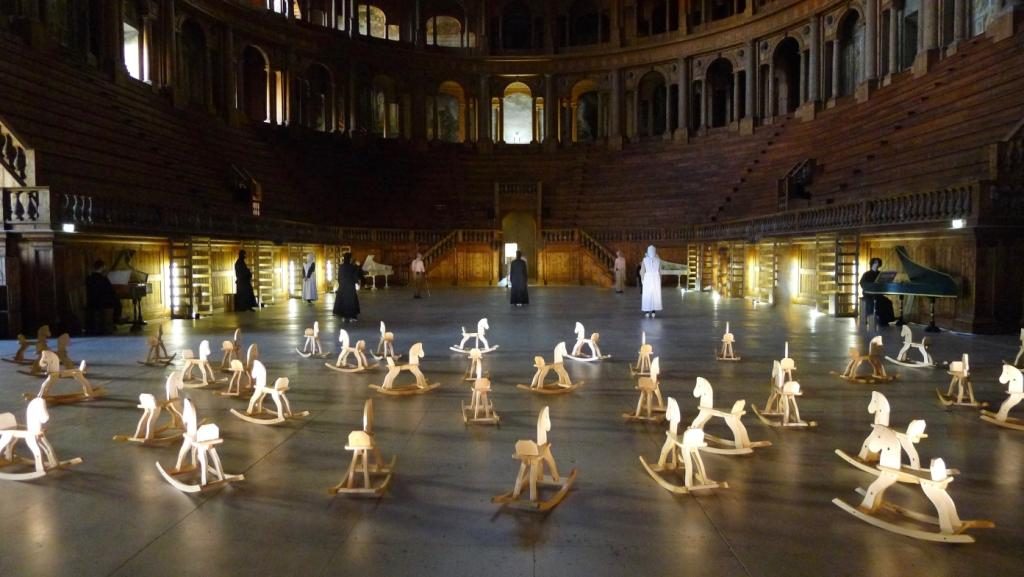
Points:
x=949 y=399
x=159 y=438
x=350 y=368
x=540 y=506
x=871 y=379
x=920 y=526
x=265 y=417
x=159 y=362
x=490 y=416
x=911 y=364
x=773 y=419
x=719 y=357
x=34 y=474
x=720 y=446
x=872 y=467
x=551 y=389
x=657 y=472
x=459 y=349
x=307 y=355
x=657 y=416
x=405 y=391
x=172 y=475
x=69 y=398
x=1009 y=423
x=376 y=490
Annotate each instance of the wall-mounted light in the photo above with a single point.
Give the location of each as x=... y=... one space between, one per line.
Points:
x=68 y=227
x=959 y=223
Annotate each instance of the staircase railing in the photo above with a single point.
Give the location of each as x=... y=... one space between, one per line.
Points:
x=597 y=250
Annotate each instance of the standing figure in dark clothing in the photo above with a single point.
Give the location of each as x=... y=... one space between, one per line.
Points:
x=99 y=296
x=346 y=301
x=245 y=298
x=878 y=306
x=517 y=279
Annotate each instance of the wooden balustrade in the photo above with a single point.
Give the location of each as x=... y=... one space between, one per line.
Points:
x=15 y=157
x=27 y=208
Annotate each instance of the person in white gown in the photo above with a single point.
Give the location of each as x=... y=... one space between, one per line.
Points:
x=650 y=275
x=309 y=278
x=620 y=272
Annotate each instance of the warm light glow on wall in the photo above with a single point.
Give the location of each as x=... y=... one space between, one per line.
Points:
x=794 y=276
x=175 y=290
x=330 y=271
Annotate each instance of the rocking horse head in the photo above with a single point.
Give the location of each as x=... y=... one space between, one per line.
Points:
x=63 y=341
x=204 y=349
x=368 y=416
x=259 y=374
x=560 y=352
x=673 y=414
x=173 y=385
x=237 y=337
x=703 y=391
x=188 y=417
x=343 y=339
x=655 y=369
x=879 y=407
x=580 y=331
x=415 y=353
x=543 y=426
x=482 y=326
x=43 y=332
x=382 y=329
x=915 y=431
x=906 y=334
x=36 y=415
x=875 y=346
x=1012 y=376
x=777 y=374
x=49 y=362
x=252 y=354
x=316 y=328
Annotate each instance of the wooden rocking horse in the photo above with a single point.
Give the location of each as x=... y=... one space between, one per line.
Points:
x=157 y=355
x=480 y=410
x=643 y=359
x=44 y=458
x=564 y=383
x=537 y=469
x=241 y=371
x=650 y=392
x=199 y=444
x=903 y=358
x=961 y=390
x=781 y=409
x=1011 y=376
x=479 y=338
x=592 y=344
x=51 y=366
x=680 y=456
x=358 y=352
x=726 y=353
x=413 y=367
x=255 y=413
x=19 y=355
x=475 y=368
x=934 y=483
x=231 y=350
x=366 y=461
x=787 y=364
x=312 y=346
x=148 y=432
x=202 y=362
x=740 y=443
x=873 y=358
x=386 y=345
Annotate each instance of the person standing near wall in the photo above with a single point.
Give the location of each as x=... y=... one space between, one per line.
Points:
x=245 y=298
x=346 y=302
x=620 y=272
x=650 y=274
x=419 y=275
x=309 y=279
x=518 y=277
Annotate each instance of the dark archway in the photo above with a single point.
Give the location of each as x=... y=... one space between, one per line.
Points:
x=651 y=120
x=193 y=63
x=851 y=53
x=786 y=64
x=719 y=93
x=318 y=105
x=255 y=96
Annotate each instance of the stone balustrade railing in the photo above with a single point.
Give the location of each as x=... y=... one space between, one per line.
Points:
x=16 y=158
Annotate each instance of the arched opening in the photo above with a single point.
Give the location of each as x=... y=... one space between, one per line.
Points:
x=651 y=119
x=319 y=12
x=517 y=114
x=982 y=13
x=786 y=67
x=587 y=24
x=520 y=227
x=585 y=112
x=516 y=26
x=319 y=112
x=193 y=63
x=450 y=112
x=373 y=22
x=255 y=85
x=851 y=53
x=719 y=93
x=444 y=31
x=910 y=30
x=135 y=42
x=657 y=17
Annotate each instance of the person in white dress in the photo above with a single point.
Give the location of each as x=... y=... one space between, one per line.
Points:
x=650 y=274
x=419 y=275
x=620 y=272
x=309 y=278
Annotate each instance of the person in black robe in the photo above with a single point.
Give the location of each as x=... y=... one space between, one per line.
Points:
x=245 y=298
x=878 y=305
x=517 y=279
x=346 y=301
x=99 y=296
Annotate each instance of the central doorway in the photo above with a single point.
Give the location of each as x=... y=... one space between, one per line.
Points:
x=519 y=229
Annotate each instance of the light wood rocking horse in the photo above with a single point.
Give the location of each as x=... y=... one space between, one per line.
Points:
x=781 y=409
x=202 y=362
x=873 y=358
x=787 y=364
x=475 y=368
x=258 y=415
x=643 y=359
x=44 y=458
x=1011 y=376
x=386 y=345
x=63 y=342
x=903 y=358
x=413 y=367
x=480 y=410
x=51 y=366
x=564 y=383
x=358 y=352
x=19 y=355
x=241 y=371
x=366 y=462
x=934 y=483
x=726 y=353
x=592 y=344
x=231 y=350
x=157 y=355
x=479 y=338
x=148 y=432
x=740 y=443
x=199 y=444
x=650 y=392
x=41 y=345
x=961 y=390
x=537 y=469
x=867 y=459
x=680 y=456
x=312 y=346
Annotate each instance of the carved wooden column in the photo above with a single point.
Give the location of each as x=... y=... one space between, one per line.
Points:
x=893 y=40
x=615 y=112
x=929 y=43
x=683 y=129
x=734 y=110
x=550 y=111
x=959 y=21
x=230 y=71
x=835 y=69
x=871 y=40
x=484 y=110
x=814 y=63
x=751 y=79
x=667 y=135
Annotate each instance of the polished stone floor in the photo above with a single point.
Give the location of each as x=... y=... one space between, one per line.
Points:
x=114 y=515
